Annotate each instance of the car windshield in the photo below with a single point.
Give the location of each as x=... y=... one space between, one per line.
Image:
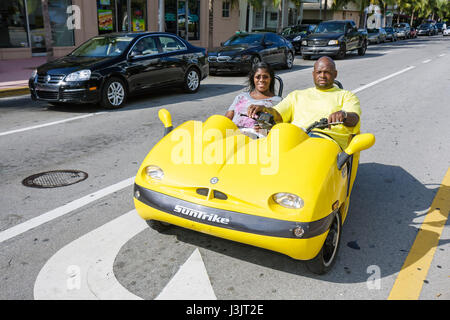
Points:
x=103 y=47
x=389 y=29
x=372 y=30
x=424 y=26
x=330 y=27
x=244 y=38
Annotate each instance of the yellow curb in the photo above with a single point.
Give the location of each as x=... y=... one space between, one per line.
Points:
x=17 y=91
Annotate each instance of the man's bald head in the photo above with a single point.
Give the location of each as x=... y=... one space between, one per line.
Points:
x=324 y=73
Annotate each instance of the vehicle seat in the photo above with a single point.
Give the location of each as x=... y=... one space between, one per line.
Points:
x=279 y=86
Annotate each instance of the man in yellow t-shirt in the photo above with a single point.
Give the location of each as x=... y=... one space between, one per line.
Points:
x=304 y=107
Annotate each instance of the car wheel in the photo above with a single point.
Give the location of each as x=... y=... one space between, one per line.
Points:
x=326 y=257
x=192 y=81
x=362 y=50
x=255 y=60
x=158 y=225
x=341 y=54
x=289 y=60
x=114 y=93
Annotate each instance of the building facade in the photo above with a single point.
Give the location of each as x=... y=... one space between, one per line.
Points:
x=75 y=21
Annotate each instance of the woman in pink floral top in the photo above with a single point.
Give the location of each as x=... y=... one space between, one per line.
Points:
x=261 y=92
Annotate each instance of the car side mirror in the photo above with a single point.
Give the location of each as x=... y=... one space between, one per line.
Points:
x=359 y=143
x=166 y=118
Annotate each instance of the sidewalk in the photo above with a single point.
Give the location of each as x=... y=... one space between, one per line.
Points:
x=14 y=75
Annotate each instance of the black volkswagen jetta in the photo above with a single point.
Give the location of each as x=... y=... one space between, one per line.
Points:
x=243 y=50
x=108 y=68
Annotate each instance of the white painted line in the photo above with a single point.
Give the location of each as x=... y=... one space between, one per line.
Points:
x=442 y=54
x=191 y=282
x=83 y=269
x=49 y=124
x=381 y=80
x=426 y=61
x=58 y=212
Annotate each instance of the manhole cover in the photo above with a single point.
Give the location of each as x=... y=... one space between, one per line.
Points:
x=54 y=179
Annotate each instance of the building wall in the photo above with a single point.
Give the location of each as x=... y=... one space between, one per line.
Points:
x=224 y=28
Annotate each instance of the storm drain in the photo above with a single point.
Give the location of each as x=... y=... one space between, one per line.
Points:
x=54 y=179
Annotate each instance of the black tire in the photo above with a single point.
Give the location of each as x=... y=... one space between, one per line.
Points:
x=114 y=93
x=306 y=57
x=341 y=54
x=158 y=225
x=326 y=257
x=289 y=63
x=362 y=50
x=255 y=60
x=191 y=81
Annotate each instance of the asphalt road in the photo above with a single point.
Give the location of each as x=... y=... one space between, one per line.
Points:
x=85 y=241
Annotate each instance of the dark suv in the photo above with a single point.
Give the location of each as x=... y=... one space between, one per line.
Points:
x=334 y=38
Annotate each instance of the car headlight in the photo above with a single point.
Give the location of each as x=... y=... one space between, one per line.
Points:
x=79 y=75
x=298 y=38
x=237 y=58
x=304 y=43
x=34 y=74
x=333 y=42
x=154 y=172
x=288 y=200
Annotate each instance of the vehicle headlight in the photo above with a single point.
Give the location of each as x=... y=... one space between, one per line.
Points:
x=34 y=74
x=304 y=43
x=154 y=172
x=298 y=38
x=79 y=75
x=333 y=42
x=237 y=58
x=288 y=200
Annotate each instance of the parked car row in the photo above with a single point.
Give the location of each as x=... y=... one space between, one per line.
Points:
x=107 y=69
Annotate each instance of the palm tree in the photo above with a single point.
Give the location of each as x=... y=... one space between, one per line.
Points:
x=48 y=30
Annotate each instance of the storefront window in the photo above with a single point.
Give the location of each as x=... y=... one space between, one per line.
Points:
x=106 y=14
x=13 y=30
x=139 y=15
x=61 y=34
x=170 y=16
x=114 y=15
x=175 y=18
x=194 y=19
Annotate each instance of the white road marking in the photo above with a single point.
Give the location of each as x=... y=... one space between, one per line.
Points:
x=381 y=80
x=50 y=123
x=67 y=208
x=442 y=54
x=93 y=256
x=191 y=282
x=426 y=61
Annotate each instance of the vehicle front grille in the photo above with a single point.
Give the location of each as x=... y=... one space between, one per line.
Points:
x=219 y=59
x=73 y=95
x=54 y=79
x=216 y=194
x=47 y=95
x=317 y=43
